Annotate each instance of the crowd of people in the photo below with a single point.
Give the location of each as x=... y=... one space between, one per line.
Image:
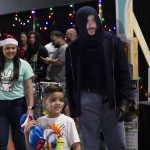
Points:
x=91 y=69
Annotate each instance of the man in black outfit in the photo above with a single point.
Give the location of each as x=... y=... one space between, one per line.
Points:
x=97 y=82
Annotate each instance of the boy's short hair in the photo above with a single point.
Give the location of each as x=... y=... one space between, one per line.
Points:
x=52 y=88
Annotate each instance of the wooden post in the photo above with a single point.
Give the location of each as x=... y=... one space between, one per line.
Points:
x=134 y=57
x=148 y=84
x=141 y=39
x=128 y=18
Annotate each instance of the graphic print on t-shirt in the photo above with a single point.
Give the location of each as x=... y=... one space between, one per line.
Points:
x=6 y=83
x=54 y=136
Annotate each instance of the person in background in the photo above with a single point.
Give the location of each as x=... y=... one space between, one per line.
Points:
x=71 y=34
x=22 y=44
x=59 y=130
x=33 y=55
x=50 y=46
x=57 y=72
x=97 y=83
x=51 y=51
x=16 y=95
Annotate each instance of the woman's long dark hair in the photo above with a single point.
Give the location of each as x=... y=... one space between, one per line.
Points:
x=32 y=49
x=16 y=62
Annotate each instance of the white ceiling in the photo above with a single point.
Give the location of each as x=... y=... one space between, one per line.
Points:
x=12 y=6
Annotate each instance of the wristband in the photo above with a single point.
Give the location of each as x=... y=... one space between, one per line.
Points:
x=30 y=107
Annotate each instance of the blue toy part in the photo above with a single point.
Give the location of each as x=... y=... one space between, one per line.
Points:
x=25 y=118
x=36 y=137
x=22 y=120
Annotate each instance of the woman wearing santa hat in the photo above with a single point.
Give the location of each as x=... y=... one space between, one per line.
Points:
x=16 y=95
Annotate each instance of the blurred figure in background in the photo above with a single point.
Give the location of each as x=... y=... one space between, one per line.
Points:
x=33 y=55
x=22 y=44
x=51 y=51
x=71 y=34
x=57 y=72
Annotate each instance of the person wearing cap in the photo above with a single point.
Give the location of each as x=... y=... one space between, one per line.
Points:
x=16 y=95
x=97 y=82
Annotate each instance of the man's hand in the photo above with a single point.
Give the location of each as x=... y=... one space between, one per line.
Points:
x=46 y=60
x=30 y=112
x=124 y=110
x=128 y=111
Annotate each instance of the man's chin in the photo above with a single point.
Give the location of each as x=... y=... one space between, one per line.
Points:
x=91 y=33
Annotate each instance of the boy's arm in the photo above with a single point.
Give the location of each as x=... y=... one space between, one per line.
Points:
x=73 y=135
x=76 y=146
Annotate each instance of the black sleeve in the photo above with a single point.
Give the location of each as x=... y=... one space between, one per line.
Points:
x=42 y=52
x=70 y=82
x=123 y=79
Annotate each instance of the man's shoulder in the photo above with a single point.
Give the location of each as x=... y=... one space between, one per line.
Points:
x=64 y=46
x=41 y=47
x=110 y=36
x=74 y=46
x=42 y=50
x=74 y=43
x=49 y=45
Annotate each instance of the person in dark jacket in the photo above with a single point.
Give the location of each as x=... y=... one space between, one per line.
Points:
x=97 y=82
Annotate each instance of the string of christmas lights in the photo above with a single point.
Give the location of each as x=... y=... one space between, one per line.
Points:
x=106 y=27
x=33 y=20
x=142 y=90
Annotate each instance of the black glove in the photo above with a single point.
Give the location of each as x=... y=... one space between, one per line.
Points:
x=124 y=110
x=133 y=112
x=127 y=111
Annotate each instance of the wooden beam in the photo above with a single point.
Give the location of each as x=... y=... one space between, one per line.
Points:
x=134 y=55
x=129 y=19
x=141 y=39
x=149 y=84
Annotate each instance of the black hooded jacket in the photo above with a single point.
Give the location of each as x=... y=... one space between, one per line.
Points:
x=116 y=66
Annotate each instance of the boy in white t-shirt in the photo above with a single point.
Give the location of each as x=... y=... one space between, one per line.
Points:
x=59 y=130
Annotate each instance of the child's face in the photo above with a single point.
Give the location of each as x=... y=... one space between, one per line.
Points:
x=54 y=104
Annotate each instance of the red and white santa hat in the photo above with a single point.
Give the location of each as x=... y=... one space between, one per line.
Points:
x=9 y=41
